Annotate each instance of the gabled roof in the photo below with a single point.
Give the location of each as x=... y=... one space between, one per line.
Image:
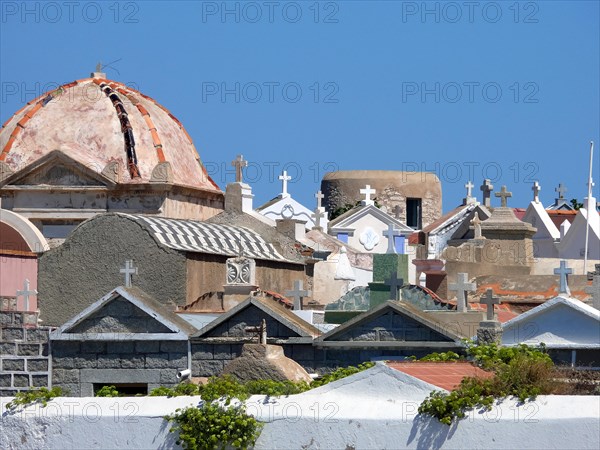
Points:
x=204 y=237
x=351 y=216
x=272 y=309
x=400 y=308
x=179 y=328
x=554 y=324
x=537 y=216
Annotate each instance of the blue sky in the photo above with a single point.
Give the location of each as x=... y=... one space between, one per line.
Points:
x=504 y=90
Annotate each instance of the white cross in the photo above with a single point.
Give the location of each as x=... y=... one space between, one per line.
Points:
x=563 y=271
x=561 y=191
x=26 y=293
x=489 y=300
x=394 y=283
x=367 y=191
x=319 y=196
x=284 y=177
x=129 y=270
x=594 y=291
x=391 y=233
x=317 y=215
x=238 y=163
x=469 y=187
x=504 y=195
x=298 y=294
x=462 y=286
x=536 y=192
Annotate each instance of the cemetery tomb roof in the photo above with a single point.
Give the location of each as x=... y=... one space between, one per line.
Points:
x=446 y=375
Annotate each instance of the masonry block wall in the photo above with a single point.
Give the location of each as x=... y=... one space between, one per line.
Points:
x=24 y=361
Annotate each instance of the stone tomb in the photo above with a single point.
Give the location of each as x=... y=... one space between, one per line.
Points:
x=126 y=339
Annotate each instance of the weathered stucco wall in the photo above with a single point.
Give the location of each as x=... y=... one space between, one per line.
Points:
x=86 y=267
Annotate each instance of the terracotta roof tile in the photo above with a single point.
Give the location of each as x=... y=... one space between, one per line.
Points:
x=446 y=375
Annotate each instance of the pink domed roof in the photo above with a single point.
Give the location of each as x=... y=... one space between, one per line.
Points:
x=98 y=122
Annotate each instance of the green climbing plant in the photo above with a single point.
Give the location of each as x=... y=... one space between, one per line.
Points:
x=32 y=396
x=107 y=391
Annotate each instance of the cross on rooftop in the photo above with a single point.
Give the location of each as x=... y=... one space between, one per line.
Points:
x=99 y=67
x=367 y=191
x=391 y=234
x=319 y=196
x=284 y=177
x=487 y=187
x=462 y=286
x=239 y=162
x=563 y=272
x=536 y=188
x=317 y=215
x=594 y=291
x=469 y=187
x=476 y=222
x=298 y=293
x=129 y=270
x=394 y=283
x=489 y=300
x=561 y=189
x=503 y=195
x=26 y=292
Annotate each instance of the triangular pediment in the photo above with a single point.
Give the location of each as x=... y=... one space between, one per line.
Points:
x=125 y=313
x=57 y=169
x=391 y=322
x=281 y=322
x=347 y=220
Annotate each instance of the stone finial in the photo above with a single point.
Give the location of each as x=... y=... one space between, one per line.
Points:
x=317 y=217
x=284 y=177
x=536 y=188
x=98 y=73
x=563 y=272
x=26 y=293
x=476 y=222
x=487 y=187
x=489 y=300
x=239 y=163
x=490 y=330
x=344 y=269
x=469 y=199
x=503 y=195
x=297 y=294
x=162 y=173
x=128 y=271
x=394 y=283
x=367 y=191
x=462 y=286
x=391 y=233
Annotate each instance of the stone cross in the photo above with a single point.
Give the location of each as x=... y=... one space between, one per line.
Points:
x=129 y=270
x=26 y=293
x=298 y=294
x=367 y=191
x=536 y=188
x=462 y=286
x=489 y=300
x=260 y=330
x=503 y=195
x=563 y=272
x=476 y=222
x=99 y=67
x=319 y=196
x=317 y=215
x=594 y=291
x=238 y=163
x=469 y=187
x=561 y=191
x=394 y=283
x=284 y=177
x=391 y=234
x=487 y=187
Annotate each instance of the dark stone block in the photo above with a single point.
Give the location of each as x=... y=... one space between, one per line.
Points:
x=37 y=365
x=8 y=392
x=13 y=365
x=119 y=347
x=63 y=362
x=28 y=349
x=45 y=349
x=69 y=389
x=6 y=318
x=206 y=368
x=203 y=351
x=21 y=380
x=63 y=376
x=93 y=347
x=7 y=348
x=37 y=335
x=39 y=380
x=109 y=361
x=132 y=361
x=65 y=348
x=5 y=380
x=173 y=347
x=147 y=347
x=302 y=352
x=177 y=360
x=13 y=334
x=85 y=361
x=223 y=352
x=168 y=376
x=158 y=361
